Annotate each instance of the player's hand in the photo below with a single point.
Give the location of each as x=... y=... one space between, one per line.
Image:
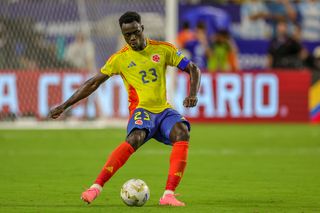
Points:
x=56 y=112
x=190 y=101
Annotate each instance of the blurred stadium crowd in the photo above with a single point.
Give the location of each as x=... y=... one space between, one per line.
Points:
x=217 y=35
x=47 y=48
x=287 y=31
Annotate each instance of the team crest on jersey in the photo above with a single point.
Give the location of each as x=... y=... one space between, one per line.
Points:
x=138 y=122
x=179 y=53
x=156 y=58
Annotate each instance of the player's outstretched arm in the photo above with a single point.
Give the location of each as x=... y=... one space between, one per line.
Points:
x=195 y=77
x=84 y=91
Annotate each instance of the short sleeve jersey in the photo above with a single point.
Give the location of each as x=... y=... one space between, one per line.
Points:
x=144 y=73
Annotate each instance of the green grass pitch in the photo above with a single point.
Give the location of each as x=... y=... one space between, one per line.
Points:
x=231 y=168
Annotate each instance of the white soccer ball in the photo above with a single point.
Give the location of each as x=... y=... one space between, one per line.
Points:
x=135 y=192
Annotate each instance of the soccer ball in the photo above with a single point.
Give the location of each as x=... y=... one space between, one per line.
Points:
x=135 y=192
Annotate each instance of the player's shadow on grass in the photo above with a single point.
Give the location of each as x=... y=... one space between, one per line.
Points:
x=73 y=205
x=123 y=205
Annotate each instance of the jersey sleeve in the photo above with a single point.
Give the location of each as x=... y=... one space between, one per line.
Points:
x=174 y=57
x=111 y=66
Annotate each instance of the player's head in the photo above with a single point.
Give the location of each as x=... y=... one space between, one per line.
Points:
x=132 y=30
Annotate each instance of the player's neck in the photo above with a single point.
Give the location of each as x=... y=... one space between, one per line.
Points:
x=144 y=43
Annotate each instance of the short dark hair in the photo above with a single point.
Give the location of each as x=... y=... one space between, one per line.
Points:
x=129 y=17
x=223 y=32
x=201 y=25
x=185 y=25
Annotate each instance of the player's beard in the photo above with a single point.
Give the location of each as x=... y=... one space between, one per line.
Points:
x=138 y=45
x=135 y=45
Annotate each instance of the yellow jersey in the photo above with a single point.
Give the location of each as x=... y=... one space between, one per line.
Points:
x=144 y=73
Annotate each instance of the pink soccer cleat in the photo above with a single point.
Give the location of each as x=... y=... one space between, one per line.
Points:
x=90 y=194
x=170 y=200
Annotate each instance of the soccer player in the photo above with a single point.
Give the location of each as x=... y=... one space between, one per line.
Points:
x=142 y=66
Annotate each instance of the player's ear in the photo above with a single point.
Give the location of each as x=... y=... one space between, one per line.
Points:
x=142 y=28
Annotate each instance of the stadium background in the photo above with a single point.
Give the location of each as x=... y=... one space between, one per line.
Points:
x=37 y=70
x=275 y=161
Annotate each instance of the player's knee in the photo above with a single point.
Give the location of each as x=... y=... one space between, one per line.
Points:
x=182 y=136
x=136 y=138
x=180 y=132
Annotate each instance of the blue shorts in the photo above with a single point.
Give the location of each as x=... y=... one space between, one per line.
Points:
x=158 y=125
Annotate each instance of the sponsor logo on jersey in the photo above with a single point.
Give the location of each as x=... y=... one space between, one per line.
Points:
x=138 y=122
x=156 y=58
x=132 y=64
